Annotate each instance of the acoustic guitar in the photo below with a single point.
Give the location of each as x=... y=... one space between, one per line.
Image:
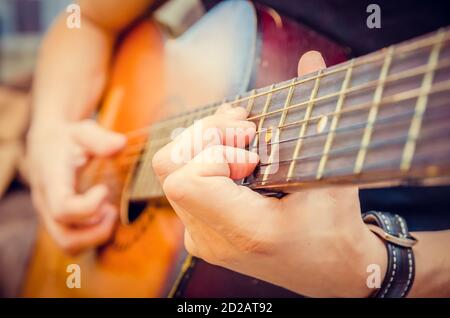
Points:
x=381 y=118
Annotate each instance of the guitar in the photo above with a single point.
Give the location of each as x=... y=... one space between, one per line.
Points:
x=379 y=118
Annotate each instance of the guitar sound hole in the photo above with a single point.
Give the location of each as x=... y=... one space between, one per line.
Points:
x=135 y=208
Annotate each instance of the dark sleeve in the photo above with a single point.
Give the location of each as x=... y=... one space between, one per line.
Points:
x=424 y=208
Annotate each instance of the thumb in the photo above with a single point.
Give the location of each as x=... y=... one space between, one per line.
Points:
x=96 y=139
x=310 y=62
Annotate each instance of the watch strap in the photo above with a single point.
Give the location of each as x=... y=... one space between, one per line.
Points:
x=401 y=267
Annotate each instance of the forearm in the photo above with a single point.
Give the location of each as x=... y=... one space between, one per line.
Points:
x=432 y=256
x=73 y=63
x=71 y=71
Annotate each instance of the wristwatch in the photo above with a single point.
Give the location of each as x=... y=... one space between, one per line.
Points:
x=392 y=229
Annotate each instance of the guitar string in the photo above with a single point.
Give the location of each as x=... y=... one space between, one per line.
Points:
x=411 y=73
x=370 y=170
x=336 y=131
x=357 y=146
x=439 y=87
x=387 y=120
x=124 y=166
x=393 y=78
x=130 y=162
x=341 y=152
x=403 y=48
x=339 y=68
x=339 y=172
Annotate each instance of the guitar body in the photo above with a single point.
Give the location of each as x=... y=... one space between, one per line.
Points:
x=235 y=47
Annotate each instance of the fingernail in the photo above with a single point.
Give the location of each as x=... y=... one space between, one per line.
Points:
x=250 y=124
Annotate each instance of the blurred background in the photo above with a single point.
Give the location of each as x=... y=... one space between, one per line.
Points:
x=22 y=24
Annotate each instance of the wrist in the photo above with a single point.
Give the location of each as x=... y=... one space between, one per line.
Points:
x=369 y=265
x=46 y=127
x=375 y=263
x=44 y=130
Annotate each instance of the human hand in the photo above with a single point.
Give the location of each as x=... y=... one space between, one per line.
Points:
x=313 y=242
x=76 y=221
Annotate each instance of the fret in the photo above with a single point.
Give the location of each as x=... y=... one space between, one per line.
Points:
x=305 y=124
x=251 y=101
x=237 y=100
x=373 y=111
x=249 y=108
x=263 y=116
x=421 y=103
x=250 y=104
x=334 y=122
x=277 y=132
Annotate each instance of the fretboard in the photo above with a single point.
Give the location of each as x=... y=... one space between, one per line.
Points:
x=376 y=118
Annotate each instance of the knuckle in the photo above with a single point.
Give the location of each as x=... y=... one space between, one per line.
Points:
x=61 y=209
x=213 y=123
x=57 y=210
x=173 y=188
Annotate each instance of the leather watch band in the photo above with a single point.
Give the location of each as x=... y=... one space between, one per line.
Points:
x=400 y=270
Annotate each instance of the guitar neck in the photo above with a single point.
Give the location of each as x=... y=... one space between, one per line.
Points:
x=380 y=117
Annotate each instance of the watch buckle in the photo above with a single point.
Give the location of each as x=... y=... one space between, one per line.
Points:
x=404 y=241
